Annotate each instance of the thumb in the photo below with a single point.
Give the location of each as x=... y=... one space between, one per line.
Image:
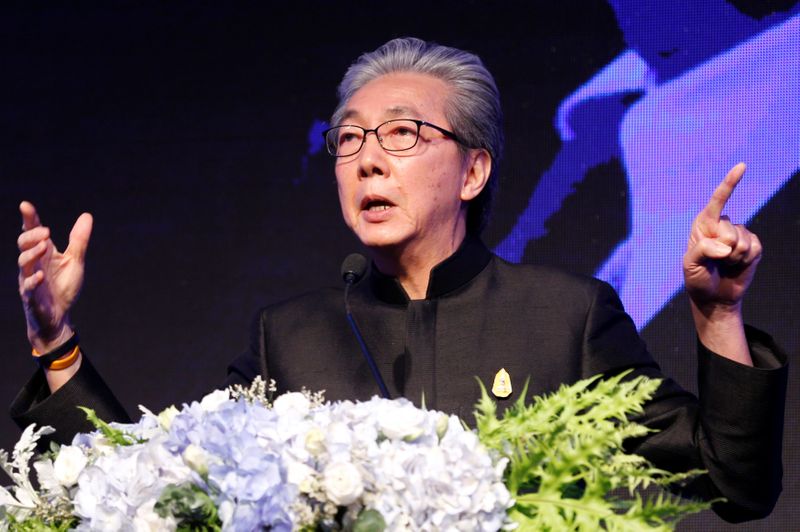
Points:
x=79 y=236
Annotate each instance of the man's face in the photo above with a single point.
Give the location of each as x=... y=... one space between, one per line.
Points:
x=411 y=200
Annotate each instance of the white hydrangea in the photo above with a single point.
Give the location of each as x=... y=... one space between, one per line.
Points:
x=295 y=464
x=118 y=491
x=420 y=469
x=212 y=401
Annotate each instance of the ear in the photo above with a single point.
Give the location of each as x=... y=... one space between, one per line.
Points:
x=478 y=167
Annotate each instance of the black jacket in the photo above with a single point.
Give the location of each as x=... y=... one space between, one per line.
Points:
x=482 y=314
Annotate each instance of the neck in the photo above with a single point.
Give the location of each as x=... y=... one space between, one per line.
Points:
x=412 y=264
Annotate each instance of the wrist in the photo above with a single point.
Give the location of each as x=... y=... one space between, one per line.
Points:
x=60 y=364
x=61 y=357
x=58 y=378
x=45 y=344
x=717 y=311
x=720 y=328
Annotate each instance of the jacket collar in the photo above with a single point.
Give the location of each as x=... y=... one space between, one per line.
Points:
x=455 y=271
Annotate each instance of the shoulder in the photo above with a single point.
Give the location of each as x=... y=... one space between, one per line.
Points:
x=308 y=306
x=548 y=281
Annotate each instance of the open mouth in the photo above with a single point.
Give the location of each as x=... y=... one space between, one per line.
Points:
x=375 y=204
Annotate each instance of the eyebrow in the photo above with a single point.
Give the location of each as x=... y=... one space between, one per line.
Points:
x=394 y=112
x=401 y=110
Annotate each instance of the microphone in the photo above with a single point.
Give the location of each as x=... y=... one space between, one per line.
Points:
x=353 y=269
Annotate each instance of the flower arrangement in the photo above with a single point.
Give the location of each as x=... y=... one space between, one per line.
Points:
x=238 y=460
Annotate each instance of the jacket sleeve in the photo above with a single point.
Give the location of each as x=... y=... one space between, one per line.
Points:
x=251 y=363
x=35 y=403
x=734 y=430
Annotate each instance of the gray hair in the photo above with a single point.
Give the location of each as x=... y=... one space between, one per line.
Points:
x=473 y=107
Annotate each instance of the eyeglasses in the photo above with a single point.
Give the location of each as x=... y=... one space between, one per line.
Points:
x=393 y=135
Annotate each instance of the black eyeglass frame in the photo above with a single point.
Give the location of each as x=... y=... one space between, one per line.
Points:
x=419 y=123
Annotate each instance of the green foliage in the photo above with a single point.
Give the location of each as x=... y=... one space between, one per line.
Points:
x=114 y=436
x=567 y=467
x=369 y=521
x=190 y=506
x=38 y=524
x=52 y=451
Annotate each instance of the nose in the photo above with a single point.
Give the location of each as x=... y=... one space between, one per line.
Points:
x=372 y=158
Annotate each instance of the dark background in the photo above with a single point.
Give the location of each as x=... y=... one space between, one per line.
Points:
x=184 y=128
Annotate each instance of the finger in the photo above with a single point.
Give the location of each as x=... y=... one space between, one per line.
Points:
x=706 y=249
x=30 y=283
x=27 y=259
x=726 y=232
x=79 y=236
x=31 y=237
x=747 y=249
x=723 y=192
x=30 y=218
x=753 y=255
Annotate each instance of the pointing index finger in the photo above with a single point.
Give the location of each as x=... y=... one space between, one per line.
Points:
x=723 y=192
x=30 y=218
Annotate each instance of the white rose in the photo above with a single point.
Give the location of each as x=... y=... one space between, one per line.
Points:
x=315 y=441
x=402 y=422
x=300 y=475
x=68 y=465
x=212 y=401
x=342 y=483
x=166 y=416
x=196 y=458
x=292 y=403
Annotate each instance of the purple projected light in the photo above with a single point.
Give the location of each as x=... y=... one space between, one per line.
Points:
x=676 y=143
x=315 y=145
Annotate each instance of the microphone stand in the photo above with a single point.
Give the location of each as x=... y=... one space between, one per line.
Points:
x=352 y=270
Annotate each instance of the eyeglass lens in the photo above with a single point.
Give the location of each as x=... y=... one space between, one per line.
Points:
x=394 y=135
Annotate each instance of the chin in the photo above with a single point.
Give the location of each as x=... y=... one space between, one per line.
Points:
x=381 y=237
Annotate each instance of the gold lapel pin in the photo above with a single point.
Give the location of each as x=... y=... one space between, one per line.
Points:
x=501 y=387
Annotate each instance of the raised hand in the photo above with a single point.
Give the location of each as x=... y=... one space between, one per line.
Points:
x=50 y=281
x=718 y=266
x=721 y=258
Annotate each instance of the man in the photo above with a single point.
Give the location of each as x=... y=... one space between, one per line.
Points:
x=417 y=136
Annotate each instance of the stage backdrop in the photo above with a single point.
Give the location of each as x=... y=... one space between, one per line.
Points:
x=191 y=132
